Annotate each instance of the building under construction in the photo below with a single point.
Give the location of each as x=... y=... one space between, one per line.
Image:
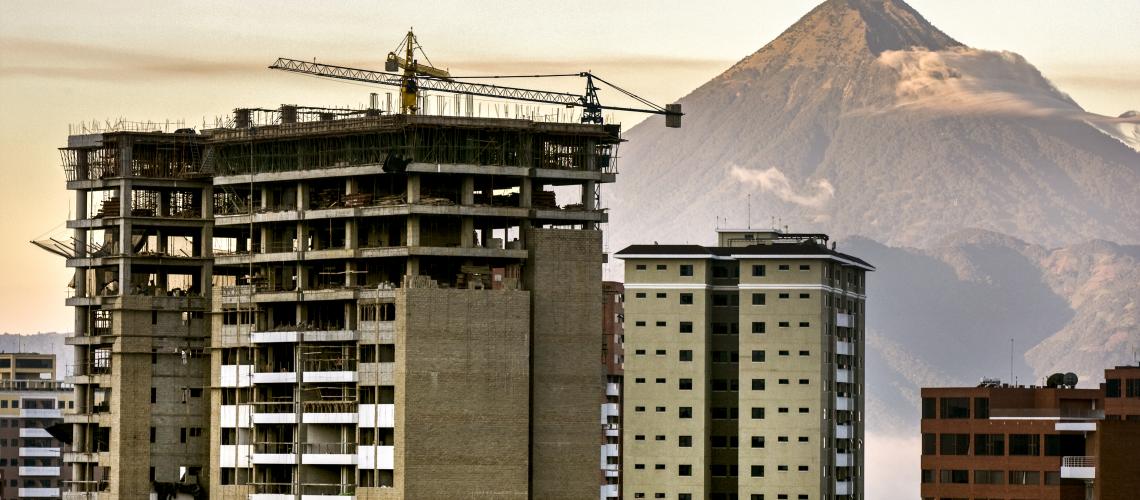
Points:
x=311 y=303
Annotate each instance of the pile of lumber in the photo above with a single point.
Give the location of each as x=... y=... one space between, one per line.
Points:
x=544 y=199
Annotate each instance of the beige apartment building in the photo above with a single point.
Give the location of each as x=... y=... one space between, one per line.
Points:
x=309 y=303
x=744 y=374
x=32 y=401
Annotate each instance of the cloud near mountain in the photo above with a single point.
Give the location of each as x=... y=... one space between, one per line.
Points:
x=815 y=195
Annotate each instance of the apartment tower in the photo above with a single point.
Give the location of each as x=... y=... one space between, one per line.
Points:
x=744 y=369
x=613 y=359
x=31 y=402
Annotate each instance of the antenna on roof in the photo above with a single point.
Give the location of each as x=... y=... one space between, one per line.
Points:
x=1011 y=360
x=749 y=211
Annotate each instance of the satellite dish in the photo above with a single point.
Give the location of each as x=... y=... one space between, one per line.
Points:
x=1071 y=379
x=1055 y=380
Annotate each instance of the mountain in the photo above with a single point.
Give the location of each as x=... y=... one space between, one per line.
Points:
x=947 y=315
x=863 y=118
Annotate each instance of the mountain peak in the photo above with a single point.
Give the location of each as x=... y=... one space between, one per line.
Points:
x=894 y=25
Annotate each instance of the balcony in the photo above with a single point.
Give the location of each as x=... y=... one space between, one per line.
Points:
x=844 y=348
x=1078 y=467
x=235 y=416
x=40 y=471
x=609 y=450
x=608 y=410
x=275 y=413
x=34 y=433
x=329 y=370
x=274 y=337
x=231 y=455
x=1045 y=414
x=844 y=460
x=328 y=453
x=274 y=454
x=39 y=492
x=376 y=457
x=1075 y=426
x=40 y=413
x=844 y=432
x=844 y=488
x=613 y=389
x=377 y=373
x=377 y=415
x=39 y=452
x=330 y=412
x=612 y=430
x=843 y=403
x=306 y=491
x=236 y=376
x=609 y=491
x=843 y=375
x=283 y=375
x=844 y=320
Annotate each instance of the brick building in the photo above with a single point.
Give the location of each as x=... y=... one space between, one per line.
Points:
x=1018 y=442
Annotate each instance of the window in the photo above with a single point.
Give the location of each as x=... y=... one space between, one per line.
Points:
x=955 y=408
x=1112 y=388
x=686 y=327
x=659 y=409
x=929 y=444
x=805 y=324
x=803 y=439
x=782 y=439
x=1025 y=445
x=757 y=384
x=784 y=324
x=685 y=441
x=153 y=434
x=660 y=323
x=782 y=409
x=804 y=410
x=803 y=381
x=802 y=468
x=685 y=412
x=783 y=381
x=686 y=269
x=758 y=327
x=659 y=437
x=639 y=295
x=757 y=441
x=639 y=380
x=805 y=267
x=1024 y=477
x=684 y=496
x=639 y=352
x=153 y=395
x=757 y=471
x=954 y=444
x=640 y=267
x=989 y=477
x=805 y=295
x=639 y=323
x=757 y=413
x=927 y=476
x=660 y=380
x=724 y=413
x=659 y=467
x=685 y=355
x=662 y=267
x=785 y=296
x=639 y=437
x=639 y=408
x=639 y=467
x=782 y=468
x=989 y=444
x=662 y=295
x=785 y=267
x=759 y=270
x=684 y=470
x=660 y=352
x=757 y=356
x=759 y=299
x=981 y=408
x=805 y=353
x=686 y=299
x=955 y=476
x=686 y=384
x=1052 y=478
x=928 y=408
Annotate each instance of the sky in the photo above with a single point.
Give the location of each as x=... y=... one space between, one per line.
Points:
x=67 y=62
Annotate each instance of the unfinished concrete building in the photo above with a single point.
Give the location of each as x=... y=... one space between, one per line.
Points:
x=141 y=254
x=376 y=306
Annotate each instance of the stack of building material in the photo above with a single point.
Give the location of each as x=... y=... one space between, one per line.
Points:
x=544 y=199
x=110 y=208
x=391 y=200
x=357 y=200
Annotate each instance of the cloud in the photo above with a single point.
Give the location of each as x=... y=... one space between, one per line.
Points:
x=772 y=180
x=52 y=59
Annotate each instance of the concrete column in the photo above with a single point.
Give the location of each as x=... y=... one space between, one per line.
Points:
x=589 y=201
x=264 y=237
x=413 y=239
x=265 y=201
x=302 y=196
x=526 y=190
x=125 y=242
x=413 y=188
x=351 y=186
x=350 y=275
x=467 y=191
x=467 y=233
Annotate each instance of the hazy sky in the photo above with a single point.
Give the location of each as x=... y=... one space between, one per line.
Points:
x=66 y=62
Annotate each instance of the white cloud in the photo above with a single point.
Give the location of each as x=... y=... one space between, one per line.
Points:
x=892 y=467
x=816 y=195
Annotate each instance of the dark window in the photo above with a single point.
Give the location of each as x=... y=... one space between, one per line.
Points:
x=660 y=323
x=785 y=324
x=686 y=384
x=153 y=434
x=989 y=444
x=639 y=352
x=686 y=299
x=805 y=353
x=685 y=412
x=757 y=413
x=927 y=476
x=955 y=408
x=1024 y=445
x=804 y=324
x=758 y=327
x=929 y=408
x=639 y=295
x=955 y=476
x=640 y=267
x=757 y=471
x=638 y=323
x=660 y=352
x=639 y=380
x=153 y=395
x=785 y=295
x=981 y=407
x=757 y=384
x=684 y=470
x=1132 y=388
x=685 y=441
x=686 y=355
x=660 y=380
x=662 y=295
x=929 y=444
x=758 y=270
x=989 y=477
x=759 y=299
x=805 y=267
x=757 y=356
x=686 y=327
x=1024 y=477
x=803 y=439
x=662 y=267
x=757 y=441
x=1112 y=388
x=686 y=269
x=954 y=444
x=785 y=267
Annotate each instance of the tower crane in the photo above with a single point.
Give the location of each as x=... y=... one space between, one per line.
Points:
x=417 y=77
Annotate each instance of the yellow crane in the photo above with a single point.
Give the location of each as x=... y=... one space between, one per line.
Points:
x=409 y=87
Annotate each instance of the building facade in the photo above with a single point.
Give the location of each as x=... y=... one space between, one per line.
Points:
x=613 y=359
x=744 y=369
x=344 y=305
x=1027 y=442
x=31 y=401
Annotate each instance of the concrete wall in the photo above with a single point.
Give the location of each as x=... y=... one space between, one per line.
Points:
x=461 y=394
x=565 y=276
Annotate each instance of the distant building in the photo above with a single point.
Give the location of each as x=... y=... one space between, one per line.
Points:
x=31 y=400
x=745 y=363
x=613 y=358
x=1057 y=442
